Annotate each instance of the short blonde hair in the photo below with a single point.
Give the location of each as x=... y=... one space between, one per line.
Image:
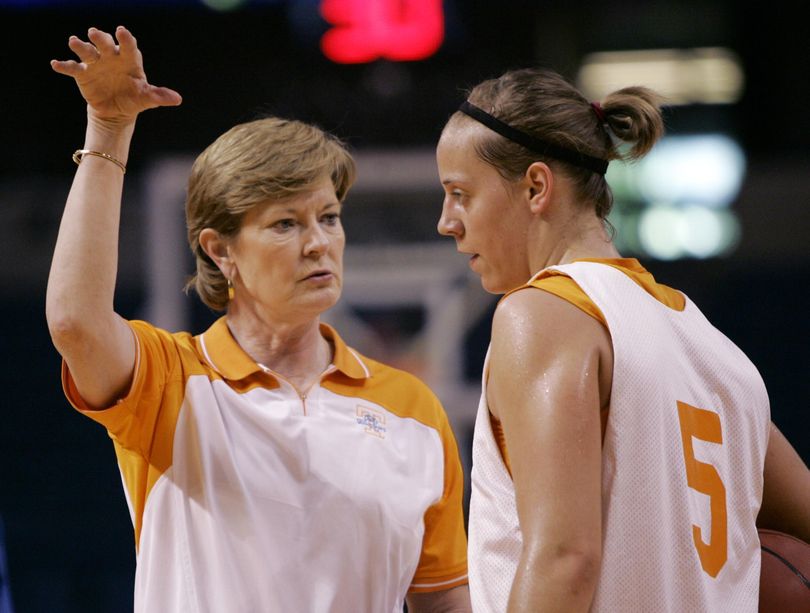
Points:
x=253 y=162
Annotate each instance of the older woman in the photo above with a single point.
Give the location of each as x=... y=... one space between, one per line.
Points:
x=267 y=465
x=621 y=439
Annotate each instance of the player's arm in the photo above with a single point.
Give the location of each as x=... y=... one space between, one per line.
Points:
x=454 y=600
x=544 y=386
x=95 y=342
x=786 y=495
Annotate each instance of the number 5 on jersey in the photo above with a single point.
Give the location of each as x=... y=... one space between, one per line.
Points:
x=705 y=426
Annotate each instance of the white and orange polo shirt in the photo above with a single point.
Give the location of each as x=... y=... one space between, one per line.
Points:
x=247 y=496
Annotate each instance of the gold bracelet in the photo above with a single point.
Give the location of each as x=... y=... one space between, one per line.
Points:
x=80 y=153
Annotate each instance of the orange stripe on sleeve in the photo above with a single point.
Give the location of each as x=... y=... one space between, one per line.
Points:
x=443 y=563
x=142 y=423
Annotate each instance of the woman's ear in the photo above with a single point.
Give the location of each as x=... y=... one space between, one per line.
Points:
x=217 y=247
x=540 y=179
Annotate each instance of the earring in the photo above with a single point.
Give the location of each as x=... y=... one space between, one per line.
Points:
x=230 y=290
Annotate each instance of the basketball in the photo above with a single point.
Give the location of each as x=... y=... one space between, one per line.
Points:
x=784 y=584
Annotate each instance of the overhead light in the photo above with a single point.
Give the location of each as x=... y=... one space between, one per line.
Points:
x=669 y=233
x=699 y=168
x=675 y=203
x=708 y=75
x=660 y=230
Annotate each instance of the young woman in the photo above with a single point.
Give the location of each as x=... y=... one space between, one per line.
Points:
x=621 y=439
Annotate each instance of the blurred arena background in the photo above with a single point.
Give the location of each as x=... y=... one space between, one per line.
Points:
x=721 y=209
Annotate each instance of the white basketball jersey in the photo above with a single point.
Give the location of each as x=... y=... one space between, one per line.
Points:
x=682 y=465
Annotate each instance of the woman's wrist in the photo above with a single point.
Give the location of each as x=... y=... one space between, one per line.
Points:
x=112 y=137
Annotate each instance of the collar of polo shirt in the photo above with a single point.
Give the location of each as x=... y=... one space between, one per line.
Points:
x=225 y=355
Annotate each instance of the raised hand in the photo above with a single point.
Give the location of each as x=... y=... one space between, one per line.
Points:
x=111 y=78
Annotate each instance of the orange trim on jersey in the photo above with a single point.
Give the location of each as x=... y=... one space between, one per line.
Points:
x=558 y=283
x=500 y=439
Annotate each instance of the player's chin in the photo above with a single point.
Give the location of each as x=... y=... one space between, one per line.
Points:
x=494 y=285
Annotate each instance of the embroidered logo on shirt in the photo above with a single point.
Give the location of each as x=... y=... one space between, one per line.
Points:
x=372 y=419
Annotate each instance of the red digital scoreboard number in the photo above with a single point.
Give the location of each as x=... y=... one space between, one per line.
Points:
x=397 y=30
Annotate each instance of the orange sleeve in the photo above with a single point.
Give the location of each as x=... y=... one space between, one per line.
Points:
x=133 y=420
x=142 y=423
x=557 y=283
x=443 y=563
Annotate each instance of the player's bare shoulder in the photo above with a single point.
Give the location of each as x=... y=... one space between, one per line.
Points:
x=541 y=315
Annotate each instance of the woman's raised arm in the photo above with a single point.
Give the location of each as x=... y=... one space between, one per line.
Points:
x=95 y=342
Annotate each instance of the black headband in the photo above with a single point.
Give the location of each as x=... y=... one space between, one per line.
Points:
x=542 y=147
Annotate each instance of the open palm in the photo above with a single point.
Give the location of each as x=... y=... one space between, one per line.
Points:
x=111 y=78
